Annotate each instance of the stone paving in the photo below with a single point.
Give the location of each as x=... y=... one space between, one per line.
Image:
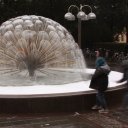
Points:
x=91 y=119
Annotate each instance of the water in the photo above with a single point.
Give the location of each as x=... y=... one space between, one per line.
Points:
x=55 y=77
x=32 y=46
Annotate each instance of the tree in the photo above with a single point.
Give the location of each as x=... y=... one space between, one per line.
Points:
x=113 y=13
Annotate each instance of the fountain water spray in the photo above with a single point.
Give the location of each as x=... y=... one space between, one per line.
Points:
x=35 y=43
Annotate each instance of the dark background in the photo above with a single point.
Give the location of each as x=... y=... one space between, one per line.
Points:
x=112 y=17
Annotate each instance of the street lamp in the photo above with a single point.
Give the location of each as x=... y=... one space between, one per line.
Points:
x=81 y=15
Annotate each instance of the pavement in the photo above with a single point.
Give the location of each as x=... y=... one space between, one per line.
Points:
x=88 y=119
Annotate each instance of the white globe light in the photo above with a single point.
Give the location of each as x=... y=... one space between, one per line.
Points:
x=81 y=15
x=69 y=16
x=85 y=18
x=91 y=15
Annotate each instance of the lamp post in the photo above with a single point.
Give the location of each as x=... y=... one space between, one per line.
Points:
x=81 y=15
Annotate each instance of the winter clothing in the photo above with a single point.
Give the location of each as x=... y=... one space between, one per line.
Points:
x=100 y=61
x=99 y=80
x=100 y=99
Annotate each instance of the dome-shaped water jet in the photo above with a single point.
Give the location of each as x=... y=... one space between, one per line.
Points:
x=39 y=47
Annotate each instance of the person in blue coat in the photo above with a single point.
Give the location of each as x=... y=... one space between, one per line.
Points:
x=99 y=82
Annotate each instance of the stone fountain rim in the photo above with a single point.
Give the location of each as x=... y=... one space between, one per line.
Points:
x=43 y=91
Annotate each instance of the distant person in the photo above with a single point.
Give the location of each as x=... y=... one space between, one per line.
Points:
x=124 y=65
x=99 y=82
x=125 y=50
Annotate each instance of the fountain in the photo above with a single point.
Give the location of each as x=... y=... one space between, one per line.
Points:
x=38 y=47
x=39 y=59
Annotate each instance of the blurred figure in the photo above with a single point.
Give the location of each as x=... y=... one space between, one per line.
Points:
x=124 y=65
x=125 y=50
x=99 y=82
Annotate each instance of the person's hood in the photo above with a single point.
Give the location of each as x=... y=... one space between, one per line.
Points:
x=106 y=69
x=100 y=61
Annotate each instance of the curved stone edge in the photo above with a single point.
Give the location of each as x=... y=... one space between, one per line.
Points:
x=59 y=94
x=90 y=92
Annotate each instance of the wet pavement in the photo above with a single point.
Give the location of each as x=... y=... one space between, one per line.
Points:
x=89 y=119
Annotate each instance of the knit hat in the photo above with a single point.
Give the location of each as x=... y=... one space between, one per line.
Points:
x=100 y=62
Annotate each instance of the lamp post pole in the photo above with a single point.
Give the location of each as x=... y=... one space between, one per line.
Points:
x=79 y=33
x=81 y=15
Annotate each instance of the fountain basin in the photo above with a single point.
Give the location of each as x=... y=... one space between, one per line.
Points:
x=70 y=89
x=73 y=97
